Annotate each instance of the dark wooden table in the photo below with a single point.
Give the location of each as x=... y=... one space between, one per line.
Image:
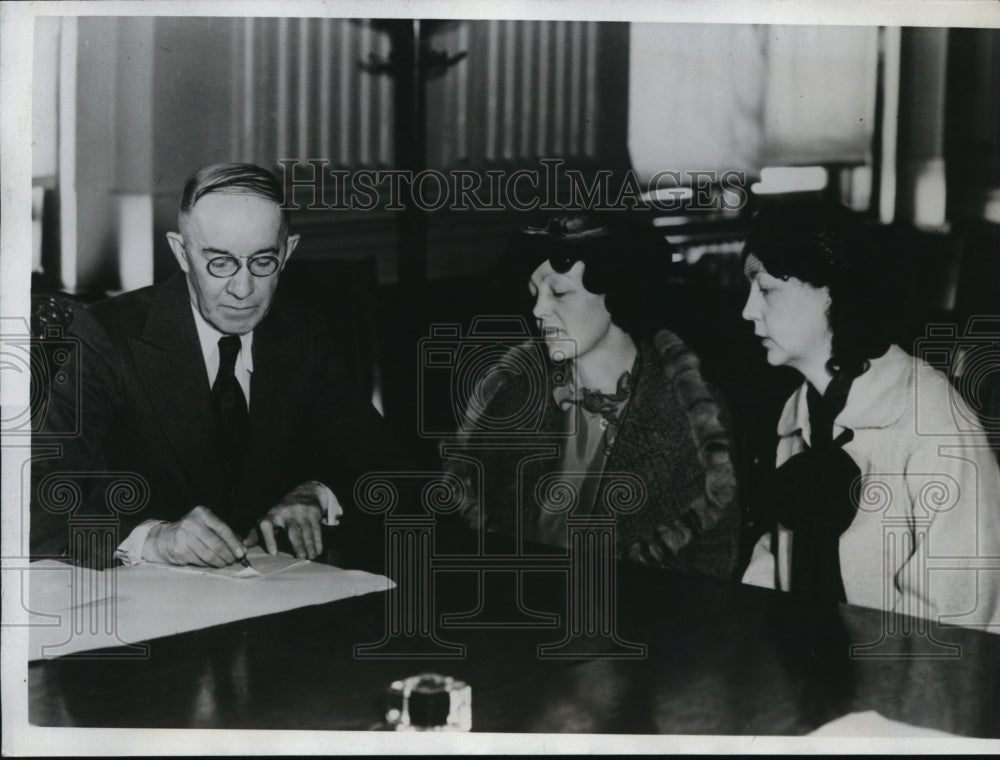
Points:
x=719 y=659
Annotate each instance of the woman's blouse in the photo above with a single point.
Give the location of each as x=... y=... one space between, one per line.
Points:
x=595 y=417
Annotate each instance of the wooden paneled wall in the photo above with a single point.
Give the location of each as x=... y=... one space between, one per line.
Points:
x=527 y=89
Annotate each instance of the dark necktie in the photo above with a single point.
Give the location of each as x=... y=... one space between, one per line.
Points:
x=231 y=415
x=816 y=495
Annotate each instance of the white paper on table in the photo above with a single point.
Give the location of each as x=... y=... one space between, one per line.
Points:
x=872 y=724
x=261 y=563
x=75 y=609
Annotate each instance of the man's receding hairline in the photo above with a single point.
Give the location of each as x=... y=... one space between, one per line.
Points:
x=232 y=190
x=184 y=214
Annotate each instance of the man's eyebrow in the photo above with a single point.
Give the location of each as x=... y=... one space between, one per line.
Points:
x=208 y=249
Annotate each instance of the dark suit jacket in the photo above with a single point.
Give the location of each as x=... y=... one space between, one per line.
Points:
x=144 y=405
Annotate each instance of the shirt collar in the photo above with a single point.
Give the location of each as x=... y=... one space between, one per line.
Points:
x=878 y=398
x=208 y=337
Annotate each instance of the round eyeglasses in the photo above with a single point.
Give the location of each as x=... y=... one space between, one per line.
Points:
x=227 y=266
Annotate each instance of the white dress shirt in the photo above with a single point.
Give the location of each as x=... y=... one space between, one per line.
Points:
x=130 y=550
x=209 y=338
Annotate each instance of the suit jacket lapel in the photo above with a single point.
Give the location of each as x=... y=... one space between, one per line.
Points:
x=172 y=370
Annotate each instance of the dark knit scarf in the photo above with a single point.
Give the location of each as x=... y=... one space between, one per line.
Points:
x=816 y=494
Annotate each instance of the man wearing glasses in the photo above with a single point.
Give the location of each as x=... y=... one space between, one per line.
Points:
x=231 y=404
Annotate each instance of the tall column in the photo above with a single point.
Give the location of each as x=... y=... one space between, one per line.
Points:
x=921 y=196
x=133 y=197
x=94 y=608
x=592 y=606
x=410 y=609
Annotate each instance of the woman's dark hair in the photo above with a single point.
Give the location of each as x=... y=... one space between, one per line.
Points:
x=826 y=245
x=624 y=260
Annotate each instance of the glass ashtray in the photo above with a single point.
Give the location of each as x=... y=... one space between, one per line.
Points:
x=429 y=702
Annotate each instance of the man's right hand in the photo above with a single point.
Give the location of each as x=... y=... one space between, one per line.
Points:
x=198 y=538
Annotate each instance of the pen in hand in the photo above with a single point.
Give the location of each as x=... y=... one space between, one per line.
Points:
x=246 y=562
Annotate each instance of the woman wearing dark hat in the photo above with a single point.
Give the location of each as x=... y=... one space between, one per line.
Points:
x=619 y=404
x=868 y=506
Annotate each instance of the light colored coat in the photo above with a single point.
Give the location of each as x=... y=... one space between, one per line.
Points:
x=926 y=537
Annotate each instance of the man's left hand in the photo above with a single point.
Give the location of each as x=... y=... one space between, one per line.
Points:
x=300 y=513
